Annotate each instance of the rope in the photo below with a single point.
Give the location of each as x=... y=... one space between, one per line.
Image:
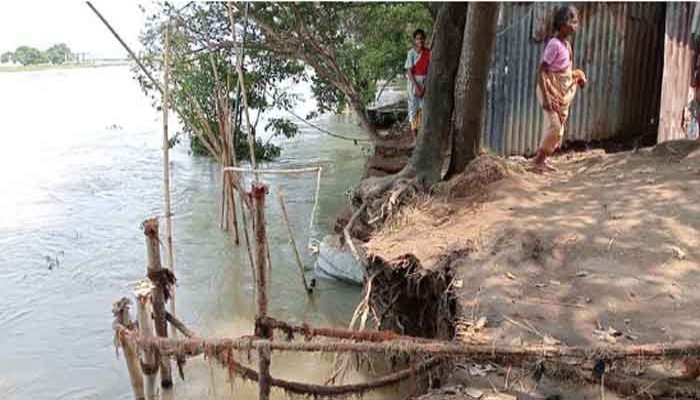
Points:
x=327 y=132
x=318 y=170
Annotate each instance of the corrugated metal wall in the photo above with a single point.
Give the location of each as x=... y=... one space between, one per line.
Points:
x=678 y=60
x=614 y=40
x=642 y=68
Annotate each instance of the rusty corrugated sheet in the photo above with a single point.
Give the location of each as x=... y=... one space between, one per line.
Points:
x=677 y=70
x=613 y=38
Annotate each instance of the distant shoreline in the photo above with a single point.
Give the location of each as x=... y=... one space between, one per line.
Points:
x=50 y=67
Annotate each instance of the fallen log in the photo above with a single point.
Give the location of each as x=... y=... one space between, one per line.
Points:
x=485 y=352
x=310 y=332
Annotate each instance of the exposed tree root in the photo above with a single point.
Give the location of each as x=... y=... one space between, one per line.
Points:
x=357 y=389
x=409 y=299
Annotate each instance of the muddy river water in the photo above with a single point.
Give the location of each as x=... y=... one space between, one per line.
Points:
x=80 y=169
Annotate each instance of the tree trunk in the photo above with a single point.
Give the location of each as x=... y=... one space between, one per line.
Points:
x=361 y=111
x=439 y=98
x=472 y=78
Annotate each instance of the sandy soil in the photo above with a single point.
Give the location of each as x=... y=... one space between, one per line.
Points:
x=607 y=241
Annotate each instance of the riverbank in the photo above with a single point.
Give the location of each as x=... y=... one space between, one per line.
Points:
x=52 y=67
x=604 y=251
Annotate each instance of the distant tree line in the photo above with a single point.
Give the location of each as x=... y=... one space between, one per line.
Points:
x=27 y=55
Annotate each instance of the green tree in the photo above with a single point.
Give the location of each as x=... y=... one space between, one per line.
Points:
x=26 y=55
x=350 y=46
x=6 y=57
x=194 y=60
x=454 y=92
x=58 y=53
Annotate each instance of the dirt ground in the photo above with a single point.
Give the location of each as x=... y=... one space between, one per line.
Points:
x=605 y=250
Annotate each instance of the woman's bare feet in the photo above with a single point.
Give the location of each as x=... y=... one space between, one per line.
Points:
x=549 y=167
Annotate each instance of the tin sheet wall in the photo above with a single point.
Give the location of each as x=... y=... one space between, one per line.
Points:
x=618 y=46
x=678 y=58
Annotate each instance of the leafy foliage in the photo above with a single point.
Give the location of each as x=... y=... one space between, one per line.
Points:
x=6 y=57
x=58 y=53
x=350 y=45
x=26 y=55
x=194 y=59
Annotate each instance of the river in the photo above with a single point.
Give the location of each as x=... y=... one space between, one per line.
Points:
x=80 y=169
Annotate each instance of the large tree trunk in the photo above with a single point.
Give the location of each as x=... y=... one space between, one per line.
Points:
x=472 y=78
x=360 y=110
x=439 y=97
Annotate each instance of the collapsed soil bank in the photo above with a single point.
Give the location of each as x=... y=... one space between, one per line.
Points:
x=604 y=250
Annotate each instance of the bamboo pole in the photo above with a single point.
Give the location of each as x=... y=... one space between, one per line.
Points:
x=150 y=230
x=120 y=309
x=244 y=93
x=273 y=171
x=292 y=242
x=227 y=158
x=258 y=192
x=149 y=364
x=166 y=169
x=477 y=351
x=131 y=53
x=249 y=250
x=316 y=196
x=318 y=170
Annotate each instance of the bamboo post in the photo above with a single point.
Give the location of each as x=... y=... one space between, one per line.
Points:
x=166 y=169
x=149 y=364
x=249 y=250
x=150 y=230
x=258 y=192
x=292 y=242
x=241 y=85
x=316 y=194
x=120 y=309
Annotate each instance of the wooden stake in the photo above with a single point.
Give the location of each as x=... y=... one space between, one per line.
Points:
x=292 y=242
x=258 y=192
x=166 y=170
x=149 y=364
x=316 y=194
x=150 y=230
x=265 y=378
x=120 y=309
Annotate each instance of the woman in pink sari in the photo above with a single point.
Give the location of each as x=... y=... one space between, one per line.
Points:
x=556 y=84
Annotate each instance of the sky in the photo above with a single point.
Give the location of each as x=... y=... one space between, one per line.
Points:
x=41 y=24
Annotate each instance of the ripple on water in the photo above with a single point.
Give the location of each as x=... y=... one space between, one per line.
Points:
x=79 y=213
